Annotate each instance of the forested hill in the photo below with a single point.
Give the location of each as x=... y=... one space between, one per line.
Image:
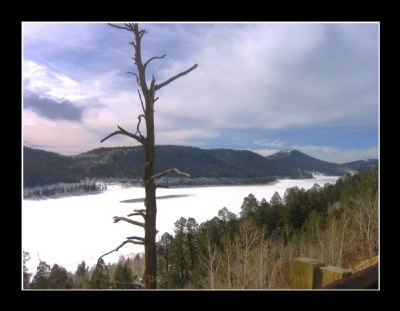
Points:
x=236 y=166
x=293 y=159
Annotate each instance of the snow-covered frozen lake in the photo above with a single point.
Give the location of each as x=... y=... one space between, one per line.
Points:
x=71 y=229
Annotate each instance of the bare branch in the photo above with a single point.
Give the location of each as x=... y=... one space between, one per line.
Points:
x=169 y=171
x=121 y=131
x=153 y=81
x=137 y=78
x=120 y=27
x=135 y=238
x=141 y=101
x=142 y=33
x=117 y=249
x=140 y=210
x=159 y=86
x=155 y=99
x=138 y=125
x=133 y=222
x=153 y=58
x=130 y=25
x=137 y=214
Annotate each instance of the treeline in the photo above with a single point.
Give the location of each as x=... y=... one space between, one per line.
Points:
x=224 y=166
x=46 y=168
x=217 y=166
x=125 y=274
x=334 y=223
x=86 y=185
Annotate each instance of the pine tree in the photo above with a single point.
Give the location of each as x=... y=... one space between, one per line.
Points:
x=276 y=200
x=164 y=251
x=59 y=278
x=123 y=273
x=192 y=228
x=41 y=278
x=249 y=205
x=26 y=274
x=225 y=215
x=82 y=275
x=179 y=254
x=100 y=277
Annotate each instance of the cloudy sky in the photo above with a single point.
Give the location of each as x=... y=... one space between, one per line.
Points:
x=259 y=86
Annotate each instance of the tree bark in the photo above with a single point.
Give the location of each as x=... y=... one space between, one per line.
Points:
x=150 y=272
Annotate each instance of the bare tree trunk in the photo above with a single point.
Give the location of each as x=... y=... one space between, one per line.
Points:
x=245 y=241
x=345 y=220
x=150 y=272
x=261 y=272
x=212 y=262
x=148 y=142
x=228 y=247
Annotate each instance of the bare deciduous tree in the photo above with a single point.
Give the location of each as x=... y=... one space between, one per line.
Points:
x=148 y=93
x=366 y=223
x=211 y=263
x=246 y=241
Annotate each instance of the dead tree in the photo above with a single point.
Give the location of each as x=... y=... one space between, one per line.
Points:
x=148 y=142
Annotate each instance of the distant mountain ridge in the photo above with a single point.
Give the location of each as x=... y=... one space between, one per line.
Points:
x=227 y=165
x=294 y=159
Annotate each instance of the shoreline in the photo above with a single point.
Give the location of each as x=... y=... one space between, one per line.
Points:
x=123 y=184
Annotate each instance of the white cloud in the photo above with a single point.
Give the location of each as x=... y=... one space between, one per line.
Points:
x=263 y=142
x=185 y=136
x=104 y=108
x=277 y=77
x=59 y=136
x=338 y=155
x=43 y=81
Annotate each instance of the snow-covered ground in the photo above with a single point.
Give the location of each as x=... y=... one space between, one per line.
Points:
x=71 y=229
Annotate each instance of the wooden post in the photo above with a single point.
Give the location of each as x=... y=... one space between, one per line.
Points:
x=304 y=273
x=331 y=273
